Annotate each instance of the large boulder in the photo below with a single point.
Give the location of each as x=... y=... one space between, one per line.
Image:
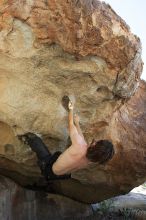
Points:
x=82 y=49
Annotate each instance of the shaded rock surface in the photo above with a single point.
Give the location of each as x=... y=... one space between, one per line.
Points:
x=82 y=49
x=19 y=203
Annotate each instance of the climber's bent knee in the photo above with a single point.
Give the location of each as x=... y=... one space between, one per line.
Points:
x=46 y=167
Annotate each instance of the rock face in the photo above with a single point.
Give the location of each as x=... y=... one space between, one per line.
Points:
x=82 y=49
x=22 y=204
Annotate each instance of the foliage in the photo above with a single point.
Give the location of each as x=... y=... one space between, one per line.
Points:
x=105 y=206
x=126 y=213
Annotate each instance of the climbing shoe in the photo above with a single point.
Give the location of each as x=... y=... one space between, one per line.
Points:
x=36 y=144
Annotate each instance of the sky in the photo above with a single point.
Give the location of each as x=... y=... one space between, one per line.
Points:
x=134 y=13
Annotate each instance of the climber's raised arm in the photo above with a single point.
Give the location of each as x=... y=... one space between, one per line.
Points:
x=72 y=128
x=74 y=132
x=70 y=115
x=77 y=123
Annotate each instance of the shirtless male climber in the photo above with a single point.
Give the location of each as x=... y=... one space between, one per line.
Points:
x=60 y=165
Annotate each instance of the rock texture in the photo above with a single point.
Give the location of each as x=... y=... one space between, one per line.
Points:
x=22 y=204
x=82 y=49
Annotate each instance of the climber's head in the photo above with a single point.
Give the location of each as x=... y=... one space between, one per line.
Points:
x=100 y=151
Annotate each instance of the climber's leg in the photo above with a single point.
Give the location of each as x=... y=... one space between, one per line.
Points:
x=45 y=158
x=36 y=144
x=46 y=167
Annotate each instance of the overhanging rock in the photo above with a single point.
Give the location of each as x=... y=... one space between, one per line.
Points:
x=50 y=49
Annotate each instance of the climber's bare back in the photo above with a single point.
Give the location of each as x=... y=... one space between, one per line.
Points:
x=74 y=157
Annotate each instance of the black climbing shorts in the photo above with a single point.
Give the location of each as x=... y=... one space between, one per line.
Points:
x=46 y=167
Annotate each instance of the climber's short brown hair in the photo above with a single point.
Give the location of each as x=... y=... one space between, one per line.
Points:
x=100 y=151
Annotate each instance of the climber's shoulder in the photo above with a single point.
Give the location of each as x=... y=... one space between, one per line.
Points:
x=79 y=141
x=78 y=149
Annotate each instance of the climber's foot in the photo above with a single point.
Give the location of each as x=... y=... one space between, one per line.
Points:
x=22 y=138
x=36 y=144
x=26 y=137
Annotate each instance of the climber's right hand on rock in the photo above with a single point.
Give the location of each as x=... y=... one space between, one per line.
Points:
x=70 y=105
